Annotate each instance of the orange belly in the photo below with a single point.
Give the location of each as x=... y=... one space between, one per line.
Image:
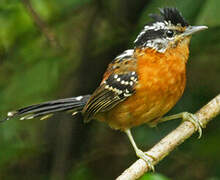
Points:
x=161 y=82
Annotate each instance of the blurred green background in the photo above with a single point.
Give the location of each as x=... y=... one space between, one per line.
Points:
x=52 y=49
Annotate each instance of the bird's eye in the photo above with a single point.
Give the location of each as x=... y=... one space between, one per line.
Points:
x=169 y=33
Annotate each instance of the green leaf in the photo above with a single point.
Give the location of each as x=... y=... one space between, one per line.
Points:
x=153 y=176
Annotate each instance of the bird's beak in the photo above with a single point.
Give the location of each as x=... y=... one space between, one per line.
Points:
x=193 y=29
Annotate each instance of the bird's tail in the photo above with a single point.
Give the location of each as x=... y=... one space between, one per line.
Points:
x=47 y=109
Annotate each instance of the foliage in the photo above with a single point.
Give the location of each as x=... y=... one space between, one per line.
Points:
x=155 y=176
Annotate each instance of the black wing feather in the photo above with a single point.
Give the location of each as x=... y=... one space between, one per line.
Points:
x=116 y=88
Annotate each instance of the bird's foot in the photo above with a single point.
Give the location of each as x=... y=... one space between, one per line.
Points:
x=147 y=158
x=186 y=116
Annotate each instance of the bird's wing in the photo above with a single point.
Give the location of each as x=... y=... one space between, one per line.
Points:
x=118 y=84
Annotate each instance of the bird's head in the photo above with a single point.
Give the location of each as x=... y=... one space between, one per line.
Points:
x=168 y=30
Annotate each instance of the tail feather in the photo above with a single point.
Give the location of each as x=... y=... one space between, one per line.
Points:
x=47 y=109
x=47 y=106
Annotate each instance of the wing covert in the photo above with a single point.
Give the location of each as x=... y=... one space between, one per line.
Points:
x=113 y=90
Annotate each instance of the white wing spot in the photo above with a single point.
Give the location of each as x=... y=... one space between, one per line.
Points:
x=126 y=95
x=115 y=76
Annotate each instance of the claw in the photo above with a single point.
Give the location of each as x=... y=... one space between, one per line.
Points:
x=193 y=119
x=148 y=159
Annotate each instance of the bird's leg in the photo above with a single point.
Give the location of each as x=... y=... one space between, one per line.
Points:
x=186 y=116
x=147 y=158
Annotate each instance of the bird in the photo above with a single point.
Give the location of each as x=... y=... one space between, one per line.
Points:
x=139 y=86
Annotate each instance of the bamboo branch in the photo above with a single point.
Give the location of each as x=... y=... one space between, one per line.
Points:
x=172 y=140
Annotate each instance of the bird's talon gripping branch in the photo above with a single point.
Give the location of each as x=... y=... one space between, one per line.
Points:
x=148 y=159
x=150 y=156
x=186 y=116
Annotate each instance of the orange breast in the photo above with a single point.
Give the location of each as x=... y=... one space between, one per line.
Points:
x=161 y=82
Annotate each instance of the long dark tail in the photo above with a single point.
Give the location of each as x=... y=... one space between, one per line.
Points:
x=47 y=109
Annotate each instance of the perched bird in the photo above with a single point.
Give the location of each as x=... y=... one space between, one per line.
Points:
x=140 y=85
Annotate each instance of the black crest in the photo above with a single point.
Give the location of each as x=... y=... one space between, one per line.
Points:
x=170 y=14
